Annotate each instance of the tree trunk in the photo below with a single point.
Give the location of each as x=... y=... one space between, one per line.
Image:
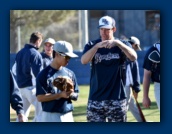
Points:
x=13 y=40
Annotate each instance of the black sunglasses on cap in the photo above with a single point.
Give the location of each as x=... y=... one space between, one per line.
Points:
x=61 y=54
x=64 y=55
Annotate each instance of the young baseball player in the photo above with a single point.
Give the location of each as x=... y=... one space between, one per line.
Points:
x=56 y=104
x=107 y=98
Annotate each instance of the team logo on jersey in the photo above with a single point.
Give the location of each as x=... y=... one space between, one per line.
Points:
x=50 y=85
x=109 y=56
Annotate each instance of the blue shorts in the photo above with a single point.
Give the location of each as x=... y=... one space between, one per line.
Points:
x=110 y=110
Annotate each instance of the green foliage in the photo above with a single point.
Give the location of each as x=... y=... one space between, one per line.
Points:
x=36 y=20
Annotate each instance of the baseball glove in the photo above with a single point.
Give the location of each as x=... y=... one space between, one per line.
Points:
x=64 y=84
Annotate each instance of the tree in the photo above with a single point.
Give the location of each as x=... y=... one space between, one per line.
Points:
x=33 y=20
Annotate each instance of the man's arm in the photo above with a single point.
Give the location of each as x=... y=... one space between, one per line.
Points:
x=15 y=96
x=129 y=52
x=50 y=97
x=74 y=95
x=88 y=56
x=36 y=64
x=136 y=76
x=16 y=99
x=146 y=84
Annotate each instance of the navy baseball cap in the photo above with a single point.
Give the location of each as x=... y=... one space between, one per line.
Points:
x=106 y=22
x=65 y=48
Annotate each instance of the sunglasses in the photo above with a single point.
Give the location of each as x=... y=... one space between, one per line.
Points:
x=64 y=55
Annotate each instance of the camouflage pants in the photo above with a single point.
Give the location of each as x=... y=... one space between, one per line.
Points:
x=110 y=110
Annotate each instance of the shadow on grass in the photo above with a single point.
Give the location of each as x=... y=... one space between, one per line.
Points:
x=79 y=111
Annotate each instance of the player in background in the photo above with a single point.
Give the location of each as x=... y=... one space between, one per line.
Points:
x=28 y=64
x=47 y=54
x=132 y=86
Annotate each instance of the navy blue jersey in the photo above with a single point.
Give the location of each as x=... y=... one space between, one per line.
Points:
x=44 y=86
x=15 y=96
x=28 y=64
x=46 y=59
x=152 y=66
x=106 y=81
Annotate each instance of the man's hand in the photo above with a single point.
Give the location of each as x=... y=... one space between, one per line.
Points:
x=109 y=43
x=102 y=44
x=146 y=102
x=65 y=94
x=106 y=44
x=22 y=118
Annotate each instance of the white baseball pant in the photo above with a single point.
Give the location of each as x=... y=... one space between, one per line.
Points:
x=131 y=105
x=56 y=117
x=157 y=93
x=29 y=97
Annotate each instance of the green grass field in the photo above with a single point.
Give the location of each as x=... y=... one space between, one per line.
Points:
x=152 y=114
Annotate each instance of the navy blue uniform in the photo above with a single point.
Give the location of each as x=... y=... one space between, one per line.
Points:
x=107 y=84
x=44 y=86
x=107 y=97
x=46 y=59
x=152 y=66
x=15 y=96
x=29 y=64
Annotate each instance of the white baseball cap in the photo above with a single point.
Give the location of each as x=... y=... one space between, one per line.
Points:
x=157 y=16
x=65 y=48
x=135 y=40
x=106 y=22
x=50 y=40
